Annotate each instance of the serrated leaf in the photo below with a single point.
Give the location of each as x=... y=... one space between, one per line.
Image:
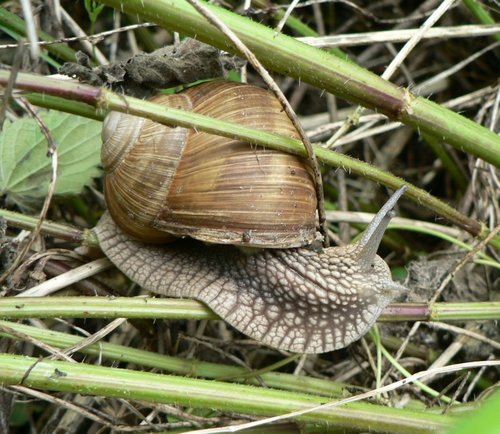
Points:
x=25 y=168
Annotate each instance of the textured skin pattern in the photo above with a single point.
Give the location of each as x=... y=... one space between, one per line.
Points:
x=295 y=299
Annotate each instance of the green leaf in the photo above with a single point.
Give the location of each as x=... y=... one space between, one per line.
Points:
x=483 y=420
x=25 y=168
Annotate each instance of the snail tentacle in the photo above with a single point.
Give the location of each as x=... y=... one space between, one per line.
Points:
x=375 y=231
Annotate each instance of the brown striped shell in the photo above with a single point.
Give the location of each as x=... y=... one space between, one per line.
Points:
x=162 y=181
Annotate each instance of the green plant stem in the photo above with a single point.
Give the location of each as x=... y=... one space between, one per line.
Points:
x=481 y=14
x=176 y=365
x=106 y=99
x=465 y=311
x=195 y=393
x=283 y=54
x=61 y=231
x=88 y=238
x=286 y=144
x=16 y=24
x=103 y=307
x=173 y=308
x=64 y=105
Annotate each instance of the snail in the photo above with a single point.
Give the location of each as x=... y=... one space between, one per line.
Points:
x=284 y=295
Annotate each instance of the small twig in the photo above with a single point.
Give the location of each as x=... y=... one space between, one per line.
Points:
x=63 y=280
x=91 y=49
x=286 y=106
x=287 y=13
x=448 y=387
x=494 y=113
x=459 y=103
x=236 y=360
x=30 y=29
x=475 y=380
x=454 y=69
x=446 y=355
x=49 y=228
x=363 y=11
x=46 y=347
x=92 y=339
x=318 y=19
x=196 y=421
x=416 y=38
x=402 y=35
x=91 y=38
x=28 y=371
x=461 y=331
x=114 y=40
x=99 y=418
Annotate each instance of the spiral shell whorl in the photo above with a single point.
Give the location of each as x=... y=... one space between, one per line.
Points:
x=119 y=133
x=140 y=158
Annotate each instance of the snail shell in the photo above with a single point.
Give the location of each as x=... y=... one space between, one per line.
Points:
x=162 y=181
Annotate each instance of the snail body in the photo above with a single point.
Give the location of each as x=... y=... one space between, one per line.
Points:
x=289 y=297
x=293 y=299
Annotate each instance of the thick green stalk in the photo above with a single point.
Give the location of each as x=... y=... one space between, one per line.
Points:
x=103 y=307
x=195 y=393
x=64 y=105
x=465 y=311
x=176 y=365
x=286 y=144
x=174 y=308
x=288 y=56
x=61 y=231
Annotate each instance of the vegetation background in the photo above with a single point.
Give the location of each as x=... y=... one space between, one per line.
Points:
x=187 y=372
